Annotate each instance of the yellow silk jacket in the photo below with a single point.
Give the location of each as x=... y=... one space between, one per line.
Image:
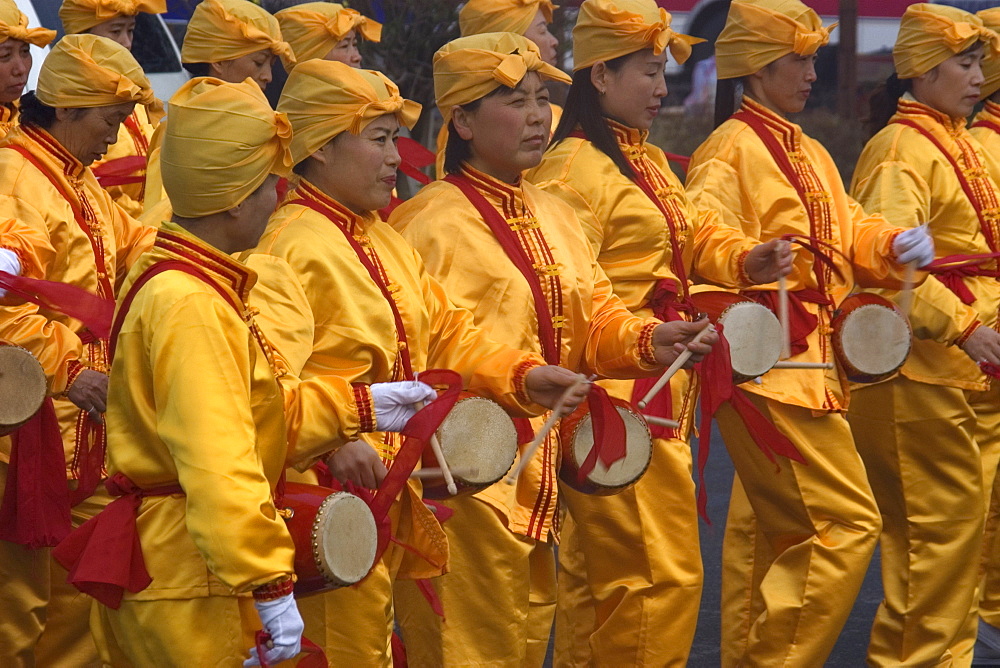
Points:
x=133 y=140
x=193 y=400
x=153 y=191
x=986 y=129
x=630 y=235
x=354 y=331
x=596 y=332
x=902 y=175
x=733 y=173
x=91 y=242
x=8 y=118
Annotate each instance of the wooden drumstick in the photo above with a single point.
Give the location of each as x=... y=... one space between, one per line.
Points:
x=449 y=481
x=802 y=365
x=673 y=368
x=425 y=474
x=909 y=280
x=661 y=422
x=786 y=338
x=532 y=448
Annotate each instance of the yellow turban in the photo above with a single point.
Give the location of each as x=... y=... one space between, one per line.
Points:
x=225 y=29
x=91 y=71
x=931 y=34
x=608 y=29
x=991 y=66
x=516 y=16
x=469 y=68
x=323 y=98
x=314 y=28
x=222 y=142
x=759 y=32
x=81 y=15
x=14 y=25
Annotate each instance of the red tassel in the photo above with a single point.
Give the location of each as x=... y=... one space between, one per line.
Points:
x=609 y=433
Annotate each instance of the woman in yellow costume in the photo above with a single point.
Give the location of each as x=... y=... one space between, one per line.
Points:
x=16 y=40
x=931 y=436
x=231 y=40
x=376 y=315
x=530 y=18
x=122 y=170
x=501 y=540
x=631 y=573
x=87 y=86
x=327 y=31
x=798 y=542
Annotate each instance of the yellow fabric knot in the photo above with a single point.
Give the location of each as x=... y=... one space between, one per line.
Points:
x=14 y=25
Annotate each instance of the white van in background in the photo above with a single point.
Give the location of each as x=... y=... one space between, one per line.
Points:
x=152 y=46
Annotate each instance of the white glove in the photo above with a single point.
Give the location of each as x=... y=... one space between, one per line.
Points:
x=10 y=264
x=394 y=402
x=914 y=245
x=281 y=619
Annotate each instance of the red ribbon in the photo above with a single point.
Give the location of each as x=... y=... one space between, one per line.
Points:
x=990 y=369
x=121 y=171
x=104 y=556
x=717 y=388
x=609 y=433
x=952 y=270
x=94 y=312
x=413 y=157
x=314 y=657
x=36 y=510
x=801 y=323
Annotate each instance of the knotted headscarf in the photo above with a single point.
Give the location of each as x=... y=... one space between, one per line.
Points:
x=222 y=142
x=225 y=29
x=991 y=66
x=516 y=16
x=931 y=34
x=608 y=29
x=323 y=98
x=469 y=68
x=759 y=32
x=81 y=15
x=14 y=25
x=314 y=28
x=90 y=71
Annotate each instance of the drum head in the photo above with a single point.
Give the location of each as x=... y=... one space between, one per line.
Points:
x=22 y=385
x=638 y=450
x=479 y=435
x=875 y=339
x=345 y=538
x=754 y=337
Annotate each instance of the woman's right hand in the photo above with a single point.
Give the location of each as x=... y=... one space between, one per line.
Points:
x=358 y=462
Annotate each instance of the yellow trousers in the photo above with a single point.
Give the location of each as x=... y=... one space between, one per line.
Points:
x=44 y=621
x=210 y=631
x=630 y=572
x=793 y=566
x=987 y=437
x=919 y=442
x=498 y=596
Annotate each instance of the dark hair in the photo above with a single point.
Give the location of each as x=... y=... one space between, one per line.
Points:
x=583 y=110
x=883 y=102
x=197 y=69
x=33 y=112
x=458 y=150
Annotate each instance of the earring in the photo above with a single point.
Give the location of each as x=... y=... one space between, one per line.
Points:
x=603 y=91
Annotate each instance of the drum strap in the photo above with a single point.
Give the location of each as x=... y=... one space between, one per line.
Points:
x=974 y=200
x=121 y=171
x=307 y=199
x=515 y=252
x=104 y=556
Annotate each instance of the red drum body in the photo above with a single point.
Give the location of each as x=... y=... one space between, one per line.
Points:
x=871 y=337
x=577 y=437
x=479 y=440
x=335 y=537
x=22 y=387
x=752 y=330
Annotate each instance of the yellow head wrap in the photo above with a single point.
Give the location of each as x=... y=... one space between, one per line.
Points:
x=14 y=25
x=91 y=71
x=324 y=98
x=222 y=142
x=314 y=28
x=608 y=29
x=516 y=16
x=225 y=29
x=81 y=15
x=469 y=68
x=931 y=34
x=991 y=66
x=759 y=32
